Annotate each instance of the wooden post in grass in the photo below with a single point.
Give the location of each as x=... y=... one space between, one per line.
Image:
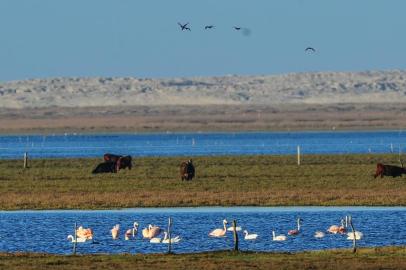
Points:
x=75 y=240
x=354 y=241
x=298 y=155
x=169 y=235
x=235 y=235
x=25 y=160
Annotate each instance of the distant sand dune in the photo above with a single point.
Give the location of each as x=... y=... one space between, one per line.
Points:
x=301 y=88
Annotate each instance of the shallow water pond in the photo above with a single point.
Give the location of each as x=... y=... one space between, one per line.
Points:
x=46 y=231
x=198 y=144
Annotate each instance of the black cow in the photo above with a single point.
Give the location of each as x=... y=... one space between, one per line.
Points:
x=122 y=162
x=389 y=170
x=105 y=167
x=187 y=170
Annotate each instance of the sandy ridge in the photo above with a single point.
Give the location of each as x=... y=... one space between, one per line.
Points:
x=303 y=88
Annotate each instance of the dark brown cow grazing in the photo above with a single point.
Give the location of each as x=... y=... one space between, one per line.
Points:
x=122 y=162
x=389 y=170
x=187 y=170
x=105 y=167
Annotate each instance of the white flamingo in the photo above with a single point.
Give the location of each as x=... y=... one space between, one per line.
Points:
x=237 y=229
x=279 y=237
x=295 y=231
x=219 y=232
x=115 y=231
x=131 y=232
x=151 y=232
x=319 y=234
x=334 y=229
x=78 y=239
x=248 y=236
x=358 y=235
x=175 y=239
x=155 y=240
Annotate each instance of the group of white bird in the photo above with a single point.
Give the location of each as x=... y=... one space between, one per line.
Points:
x=334 y=229
x=222 y=232
x=152 y=233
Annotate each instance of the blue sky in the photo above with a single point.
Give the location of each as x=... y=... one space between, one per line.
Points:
x=50 y=38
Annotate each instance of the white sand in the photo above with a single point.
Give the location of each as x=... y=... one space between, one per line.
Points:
x=305 y=88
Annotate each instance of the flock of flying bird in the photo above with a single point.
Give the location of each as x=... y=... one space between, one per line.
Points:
x=152 y=233
x=185 y=27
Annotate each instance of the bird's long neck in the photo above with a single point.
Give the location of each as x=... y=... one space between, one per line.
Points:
x=224 y=224
x=273 y=235
x=298 y=224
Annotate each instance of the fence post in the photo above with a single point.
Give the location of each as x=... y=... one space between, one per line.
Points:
x=354 y=241
x=169 y=235
x=235 y=235
x=25 y=160
x=75 y=240
x=298 y=155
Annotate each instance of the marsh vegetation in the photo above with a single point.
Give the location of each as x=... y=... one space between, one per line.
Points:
x=220 y=181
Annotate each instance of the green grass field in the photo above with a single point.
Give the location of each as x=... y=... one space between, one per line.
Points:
x=220 y=181
x=371 y=258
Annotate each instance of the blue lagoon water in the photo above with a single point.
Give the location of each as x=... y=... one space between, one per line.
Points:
x=46 y=231
x=197 y=144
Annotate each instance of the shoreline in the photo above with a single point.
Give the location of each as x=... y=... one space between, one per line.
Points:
x=217 y=118
x=214 y=209
x=392 y=257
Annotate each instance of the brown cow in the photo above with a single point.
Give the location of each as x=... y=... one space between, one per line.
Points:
x=122 y=162
x=389 y=170
x=187 y=170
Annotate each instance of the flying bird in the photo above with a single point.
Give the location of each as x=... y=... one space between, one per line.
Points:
x=237 y=28
x=209 y=27
x=184 y=26
x=310 y=49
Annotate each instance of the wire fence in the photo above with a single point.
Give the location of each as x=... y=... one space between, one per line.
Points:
x=201 y=144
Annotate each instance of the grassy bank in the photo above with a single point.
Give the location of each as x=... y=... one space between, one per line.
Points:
x=220 y=181
x=371 y=258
